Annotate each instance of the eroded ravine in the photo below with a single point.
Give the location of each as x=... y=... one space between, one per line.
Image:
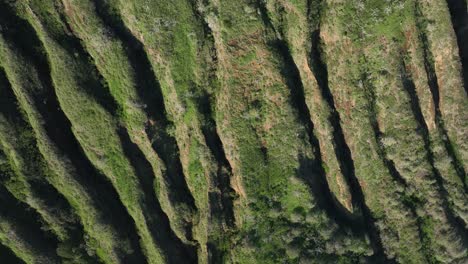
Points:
x=329 y=202
x=408 y=199
x=213 y=131
x=46 y=103
x=459 y=14
x=433 y=84
x=150 y=93
x=27 y=228
x=173 y=248
x=9 y=256
x=57 y=214
x=455 y=220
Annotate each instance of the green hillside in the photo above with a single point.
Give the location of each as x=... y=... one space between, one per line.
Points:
x=233 y=131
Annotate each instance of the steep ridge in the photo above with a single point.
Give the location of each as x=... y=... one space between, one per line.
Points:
x=409 y=199
x=459 y=14
x=342 y=151
x=21 y=229
x=253 y=114
x=62 y=138
x=399 y=115
x=113 y=161
x=9 y=256
x=179 y=71
x=28 y=182
x=364 y=222
x=399 y=128
x=128 y=84
x=71 y=44
x=352 y=100
x=150 y=92
x=307 y=13
x=443 y=69
x=85 y=195
x=12 y=123
x=433 y=84
x=451 y=181
x=327 y=199
x=455 y=220
x=219 y=131
x=174 y=249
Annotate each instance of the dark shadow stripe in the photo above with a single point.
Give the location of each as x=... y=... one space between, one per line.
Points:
x=174 y=250
x=149 y=91
x=456 y=221
x=8 y=257
x=459 y=15
x=314 y=173
x=205 y=102
x=221 y=200
x=224 y=172
x=27 y=222
x=409 y=201
x=434 y=87
x=54 y=202
x=58 y=129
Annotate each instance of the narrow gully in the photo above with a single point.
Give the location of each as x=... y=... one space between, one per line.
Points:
x=390 y=165
x=173 y=248
x=27 y=223
x=209 y=129
x=455 y=220
x=459 y=15
x=40 y=189
x=149 y=91
x=224 y=172
x=434 y=88
x=58 y=129
x=221 y=200
x=312 y=171
x=9 y=256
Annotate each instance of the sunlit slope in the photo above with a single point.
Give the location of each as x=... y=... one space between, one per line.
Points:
x=220 y=131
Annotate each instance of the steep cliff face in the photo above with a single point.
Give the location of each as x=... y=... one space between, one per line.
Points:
x=220 y=131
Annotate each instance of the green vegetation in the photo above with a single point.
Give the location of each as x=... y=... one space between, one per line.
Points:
x=220 y=131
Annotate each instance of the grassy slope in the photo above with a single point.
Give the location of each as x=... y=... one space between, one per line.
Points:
x=257 y=116
x=97 y=130
x=29 y=184
x=449 y=94
x=293 y=21
x=213 y=131
x=109 y=54
x=104 y=239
